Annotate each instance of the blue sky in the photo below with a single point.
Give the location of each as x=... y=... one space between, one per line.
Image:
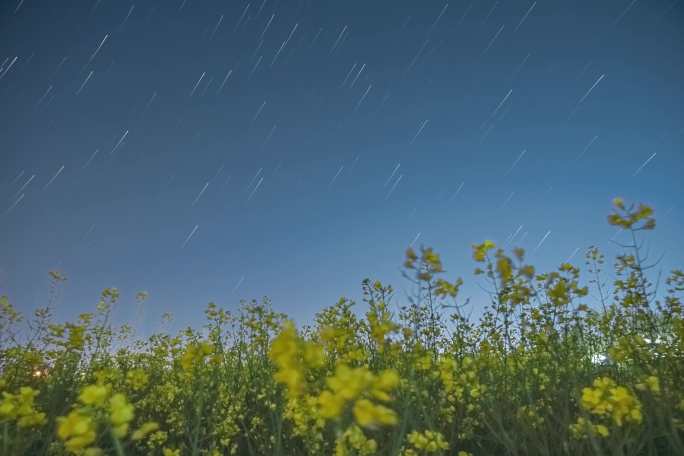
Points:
x=274 y=127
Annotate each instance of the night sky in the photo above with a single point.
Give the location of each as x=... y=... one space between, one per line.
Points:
x=209 y=150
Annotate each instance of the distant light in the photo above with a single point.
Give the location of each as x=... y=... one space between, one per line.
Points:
x=599 y=358
x=40 y=373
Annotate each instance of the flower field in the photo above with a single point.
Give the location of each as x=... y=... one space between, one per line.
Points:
x=565 y=362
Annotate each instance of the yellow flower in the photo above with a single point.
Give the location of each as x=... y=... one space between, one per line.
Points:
x=387 y=380
x=290 y=377
x=603 y=383
x=77 y=430
x=625 y=406
x=601 y=430
x=144 y=430
x=480 y=250
x=170 y=452
x=121 y=413
x=356 y=386
x=370 y=415
x=137 y=379
x=194 y=354
x=424 y=363
x=32 y=419
x=292 y=356
x=331 y=405
x=584 y=428
x=7 y=407
x=21 y=407
x=428 y=441
x=94 y=394
x=313 y=355
x=651 y=383
x=591 y=398
x=503 y=266
x=354 y=438
x=349 y=382
x=609 y=399
x=93 y=451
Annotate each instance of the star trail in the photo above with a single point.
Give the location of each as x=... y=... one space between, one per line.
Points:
x=232 y=150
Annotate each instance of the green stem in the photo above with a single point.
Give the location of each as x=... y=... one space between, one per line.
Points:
x=117 y=445
x=196 y=430
x=5 y=437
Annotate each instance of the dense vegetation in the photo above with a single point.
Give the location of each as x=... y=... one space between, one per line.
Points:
x=547 y=369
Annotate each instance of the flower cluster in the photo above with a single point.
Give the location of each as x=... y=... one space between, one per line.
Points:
x=425 y=442
x=293 y=357
x=354 y=441
x=78 y=431
x=195 y=353
x=606 y=398
x=359 y=387
x=97 y=405
x=20 y=407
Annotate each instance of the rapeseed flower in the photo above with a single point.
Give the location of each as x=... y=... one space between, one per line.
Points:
x=77 y=430
x=94 y=395
x=607 y=399
x=371 y=415
x=480 y=250
x=354 y=439
x=144 y=430
x=356 y=386
x=121 y=414
x=428 y=441
x=21 y=407
x=650 y=383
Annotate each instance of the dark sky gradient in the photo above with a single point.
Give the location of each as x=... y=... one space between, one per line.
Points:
x=483 y=84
